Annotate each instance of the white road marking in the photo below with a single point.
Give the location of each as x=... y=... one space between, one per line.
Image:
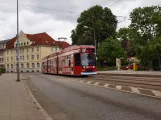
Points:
x=135 y=90
x=96 y=83
x=119 y=87
x=89 y=82
x=106 y=85
x=156 y=93
x=82 y=81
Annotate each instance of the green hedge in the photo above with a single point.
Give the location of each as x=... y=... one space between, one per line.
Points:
x=106 y=68
x=2 y=70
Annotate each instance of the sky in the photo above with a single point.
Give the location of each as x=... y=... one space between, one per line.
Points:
x=58 y=17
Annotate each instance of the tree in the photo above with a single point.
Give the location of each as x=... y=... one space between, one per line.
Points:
x=96 y=19
x=146 y=27
x=110 y=49
x=125 y=35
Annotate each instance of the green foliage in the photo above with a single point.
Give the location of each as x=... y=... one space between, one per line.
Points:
x=2 y=70
x=106 y=68
x=123 y=34
x=147 y=22
x=110 y=49
x=98 y=19
x=146 y=31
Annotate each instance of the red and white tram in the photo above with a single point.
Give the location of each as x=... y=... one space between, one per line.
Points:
x=74 y=60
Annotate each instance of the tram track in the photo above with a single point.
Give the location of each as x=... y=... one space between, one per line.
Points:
x=141 y=82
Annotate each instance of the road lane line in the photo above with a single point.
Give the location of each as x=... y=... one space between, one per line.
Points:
x=156 y=93
x=135 y=90
x=106 y=85
x=82 y=81
x=89 y=82
x=119 y=87
x=96 y=83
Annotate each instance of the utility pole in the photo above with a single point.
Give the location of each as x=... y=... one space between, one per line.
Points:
x=18 y=49
x=95 y=42
x=64 y=38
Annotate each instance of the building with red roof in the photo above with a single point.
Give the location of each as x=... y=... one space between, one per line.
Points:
x=33 y=47
x=2 y=50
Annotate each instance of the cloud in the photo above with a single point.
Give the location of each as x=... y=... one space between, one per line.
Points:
x=58 y=23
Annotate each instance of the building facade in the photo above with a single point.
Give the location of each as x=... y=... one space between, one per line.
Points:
x=2 y=53
x=33 y=47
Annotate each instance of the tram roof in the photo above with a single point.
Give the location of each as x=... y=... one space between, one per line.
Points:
x=70 y=48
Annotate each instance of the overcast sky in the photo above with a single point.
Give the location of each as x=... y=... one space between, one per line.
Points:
x=58 y=23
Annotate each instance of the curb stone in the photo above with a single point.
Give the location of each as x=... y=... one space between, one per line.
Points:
x=39 y=107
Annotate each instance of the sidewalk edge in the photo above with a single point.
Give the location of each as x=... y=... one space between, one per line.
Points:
x=39 y=107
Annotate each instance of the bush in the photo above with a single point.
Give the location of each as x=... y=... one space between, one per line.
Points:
x=106 y=68
x=2 y=70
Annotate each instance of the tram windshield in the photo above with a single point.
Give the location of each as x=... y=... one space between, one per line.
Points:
x=88 y=59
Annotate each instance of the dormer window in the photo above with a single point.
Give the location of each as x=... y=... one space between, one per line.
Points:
x=24 y=44
x=27 y=43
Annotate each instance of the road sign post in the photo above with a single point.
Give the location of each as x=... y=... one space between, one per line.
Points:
x=118 y=63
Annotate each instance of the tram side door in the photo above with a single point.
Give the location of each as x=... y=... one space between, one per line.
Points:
x=77 y=64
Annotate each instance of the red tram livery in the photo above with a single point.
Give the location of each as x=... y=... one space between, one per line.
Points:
x=74 y=60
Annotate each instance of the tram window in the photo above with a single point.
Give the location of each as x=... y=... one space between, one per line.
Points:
x=69 y=63
x=77 y=59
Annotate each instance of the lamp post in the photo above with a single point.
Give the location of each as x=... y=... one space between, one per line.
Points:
x=64 y=38
x=18 y=49
x=94 y=36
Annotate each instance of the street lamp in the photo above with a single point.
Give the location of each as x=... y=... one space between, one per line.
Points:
x=94 y=36
x=64 y=38
x=18 y=49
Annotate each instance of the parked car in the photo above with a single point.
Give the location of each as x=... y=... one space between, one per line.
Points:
x=131 y=66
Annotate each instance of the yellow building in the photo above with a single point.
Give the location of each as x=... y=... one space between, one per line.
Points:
x=33 y=47
x=2 y=55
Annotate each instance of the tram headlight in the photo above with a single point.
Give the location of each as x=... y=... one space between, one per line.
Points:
x=84 y=66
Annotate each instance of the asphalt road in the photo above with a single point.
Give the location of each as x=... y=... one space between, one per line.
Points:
x=64 y=99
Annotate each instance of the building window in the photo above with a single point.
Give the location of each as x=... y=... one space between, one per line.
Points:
x=27 y=57
x=32 y=49
x=33 y=65
x=37 y=57
x=22 y=66
x=37 y=49
x=27 y=50
x=38 y=65
x=21 y=44
x=24 y=44
x=32 y=57
x=28 y=65
x=7 y=59
x=27 y=43
x=8 y=66
x=12 y=58
x=11 y=65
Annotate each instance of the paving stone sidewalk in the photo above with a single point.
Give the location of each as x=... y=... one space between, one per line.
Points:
x=15 y=102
